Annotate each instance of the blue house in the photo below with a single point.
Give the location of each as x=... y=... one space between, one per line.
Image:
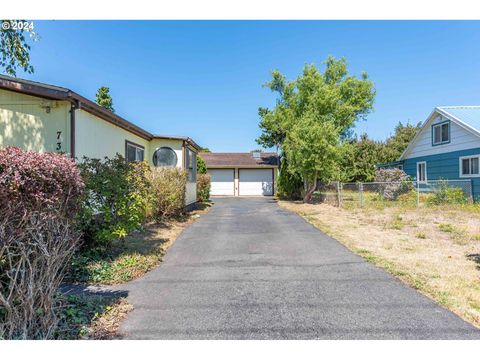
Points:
x=446 y=147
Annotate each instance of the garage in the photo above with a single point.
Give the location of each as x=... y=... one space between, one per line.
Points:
x=222 y=182
x=255 y=182
x=242 y=174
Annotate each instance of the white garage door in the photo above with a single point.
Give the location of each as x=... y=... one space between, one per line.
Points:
x=255 y=182
x=221 y=182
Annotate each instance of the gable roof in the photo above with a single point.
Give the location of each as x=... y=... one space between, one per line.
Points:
x=232 y=160
x=467 y=117
x=53 y=92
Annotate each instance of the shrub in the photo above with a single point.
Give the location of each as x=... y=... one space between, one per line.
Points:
x=201 y=165
x=39 y=198
x=203 y=187
x=116 y=199
x=168 y=186
x=393 y=183
x=444 y=194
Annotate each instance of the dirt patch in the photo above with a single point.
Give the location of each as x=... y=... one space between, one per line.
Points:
x=435 y=250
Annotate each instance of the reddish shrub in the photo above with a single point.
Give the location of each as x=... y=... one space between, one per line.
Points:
x=39 y=180
x=39 y=199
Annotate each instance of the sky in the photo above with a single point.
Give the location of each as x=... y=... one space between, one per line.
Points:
x=203 y=79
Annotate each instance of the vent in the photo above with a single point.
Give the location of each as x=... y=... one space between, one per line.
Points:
x=256 y=154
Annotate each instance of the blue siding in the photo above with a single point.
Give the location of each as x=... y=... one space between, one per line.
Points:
x=444 y=166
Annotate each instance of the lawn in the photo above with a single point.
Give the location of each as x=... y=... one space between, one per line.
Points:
x=436 y=250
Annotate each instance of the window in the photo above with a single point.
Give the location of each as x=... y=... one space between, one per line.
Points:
x=133 y=152
x=441 y=133
x=165 y=156
x=422 y=171
x=191 y=164
x=469 y=166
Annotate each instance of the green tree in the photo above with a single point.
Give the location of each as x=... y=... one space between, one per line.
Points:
x=312 y=148
x=398 y=142
x=201 y=165
x=14 y=47
x=360 y=159
x=333 y=99
x=207 y=150
x=104 y=98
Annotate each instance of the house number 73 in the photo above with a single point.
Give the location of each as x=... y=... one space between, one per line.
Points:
x=59 y=141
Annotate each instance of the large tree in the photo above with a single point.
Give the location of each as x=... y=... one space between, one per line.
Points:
x=15 y=47
x=104 y=98
x=398 y=142
x=332 y=99
x=312 y=148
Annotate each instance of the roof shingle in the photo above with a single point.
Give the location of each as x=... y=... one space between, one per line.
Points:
x=231 y=160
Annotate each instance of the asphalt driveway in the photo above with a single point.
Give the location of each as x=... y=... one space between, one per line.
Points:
x=251 y=270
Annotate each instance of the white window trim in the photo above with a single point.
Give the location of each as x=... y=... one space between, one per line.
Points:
x=440 y=126
x=418 y=177
x=136 y=147
x=460 y=166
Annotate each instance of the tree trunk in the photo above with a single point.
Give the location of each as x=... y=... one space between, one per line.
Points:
x=309 y=190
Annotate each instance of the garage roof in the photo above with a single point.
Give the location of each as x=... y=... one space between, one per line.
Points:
x=247 y=160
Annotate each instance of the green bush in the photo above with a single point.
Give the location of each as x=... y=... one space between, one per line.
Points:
x=116 y=199
x=447 y=195
x=201 y=165
x=408 y=198
x=203 y=187
x=168 y=187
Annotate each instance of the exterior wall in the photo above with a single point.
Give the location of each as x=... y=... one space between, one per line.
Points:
x=444 y=166
x=176 y=145
x=25 y=124
x=460 y=139
x=97 y=138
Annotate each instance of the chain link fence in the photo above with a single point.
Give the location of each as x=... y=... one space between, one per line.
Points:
x=405 y=193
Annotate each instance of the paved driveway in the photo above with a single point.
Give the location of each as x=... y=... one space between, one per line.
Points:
x=251 y=270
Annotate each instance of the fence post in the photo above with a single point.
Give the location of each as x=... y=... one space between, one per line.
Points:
x=418 y=194
x=339 y=193
x=360 y=189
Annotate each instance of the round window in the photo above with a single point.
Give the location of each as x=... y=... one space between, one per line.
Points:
x=164 y=156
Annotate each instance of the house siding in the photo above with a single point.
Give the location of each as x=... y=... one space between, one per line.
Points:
x=25 y=123
x=460 y=139
x=97 y=138
x=444 y=166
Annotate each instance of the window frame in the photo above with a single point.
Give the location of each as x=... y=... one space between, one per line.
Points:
x=460 y=166
x=169 y=148
x=137 y=147
x=191 y=164
x=424 y=163
x=440 y=125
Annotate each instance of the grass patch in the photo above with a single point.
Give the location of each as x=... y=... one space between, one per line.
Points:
x=131 y=257
x=434 y=249
x=397 y=222
x=445 y=227
x=421 y=235
x=92 y=317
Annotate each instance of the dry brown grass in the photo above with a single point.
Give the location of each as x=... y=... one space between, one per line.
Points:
x=107 y=325
x=435 y=250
